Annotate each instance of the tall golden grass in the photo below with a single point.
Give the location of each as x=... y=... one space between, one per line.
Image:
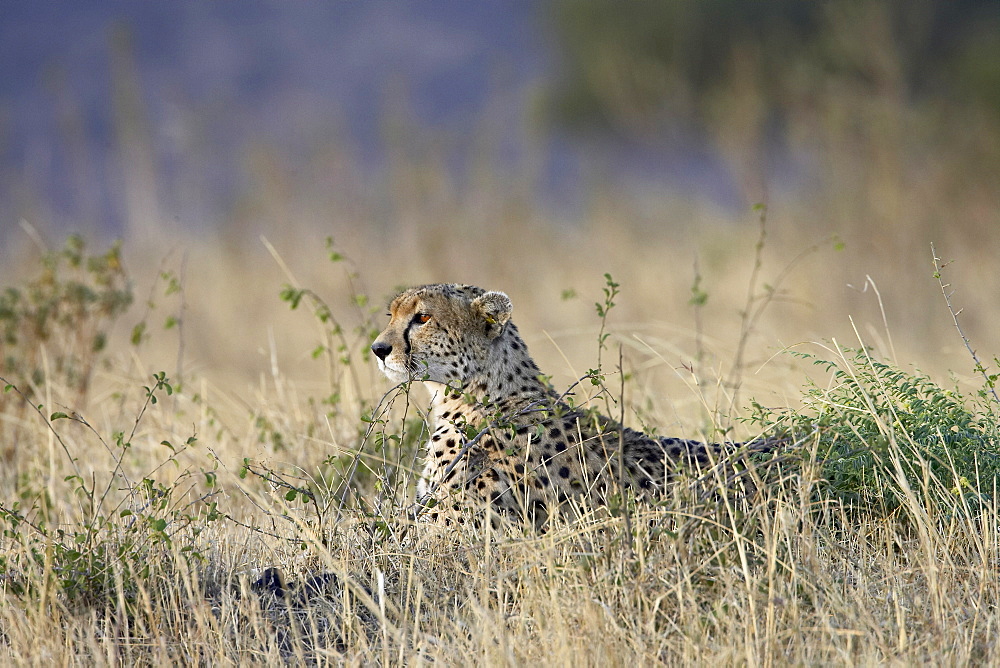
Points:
x=303 y=483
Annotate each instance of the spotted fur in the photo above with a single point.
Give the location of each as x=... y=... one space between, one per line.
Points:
x=501 y=436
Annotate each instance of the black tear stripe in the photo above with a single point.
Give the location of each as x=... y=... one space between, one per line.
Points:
x=406 y=340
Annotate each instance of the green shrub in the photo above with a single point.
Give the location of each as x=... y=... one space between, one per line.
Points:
x=879 y=430
x=55 y=326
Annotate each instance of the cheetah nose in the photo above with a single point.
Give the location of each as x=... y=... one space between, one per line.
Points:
x=381 y=350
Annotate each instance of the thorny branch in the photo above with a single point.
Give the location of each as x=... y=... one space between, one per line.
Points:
x=938 y=267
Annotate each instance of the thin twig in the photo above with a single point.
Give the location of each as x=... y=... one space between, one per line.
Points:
x=938 y=268
x=629 y=553
x=757 y=303
x=7 y=385
x=181 y=319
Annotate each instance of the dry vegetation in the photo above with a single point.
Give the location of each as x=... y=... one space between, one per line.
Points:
x=141 y=509
x=147 y=485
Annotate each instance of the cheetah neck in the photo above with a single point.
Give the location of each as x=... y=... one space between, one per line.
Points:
x=508 y=380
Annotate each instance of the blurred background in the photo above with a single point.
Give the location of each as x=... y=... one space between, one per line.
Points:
x=525 y=146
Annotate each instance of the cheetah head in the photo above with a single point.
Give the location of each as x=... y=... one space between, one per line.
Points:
x=441 y=333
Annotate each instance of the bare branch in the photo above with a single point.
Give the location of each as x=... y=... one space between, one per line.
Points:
x=938 y=268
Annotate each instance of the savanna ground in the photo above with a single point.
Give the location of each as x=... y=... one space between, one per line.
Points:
x=171 y=428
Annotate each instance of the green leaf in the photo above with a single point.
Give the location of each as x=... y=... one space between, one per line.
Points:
x=138 y=333
x=292 y=295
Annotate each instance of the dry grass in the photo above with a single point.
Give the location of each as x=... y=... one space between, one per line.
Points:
x=795 y=579
x=791 y=580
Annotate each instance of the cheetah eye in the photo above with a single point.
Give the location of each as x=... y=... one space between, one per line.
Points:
x=421 y=318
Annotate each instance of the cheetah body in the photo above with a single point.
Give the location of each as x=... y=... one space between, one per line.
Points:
x=500 y=435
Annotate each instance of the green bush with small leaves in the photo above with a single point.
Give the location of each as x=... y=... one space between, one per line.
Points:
x=879 y=433
x=68 y=309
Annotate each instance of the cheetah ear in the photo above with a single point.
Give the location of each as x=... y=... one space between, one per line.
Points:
x=495 y=308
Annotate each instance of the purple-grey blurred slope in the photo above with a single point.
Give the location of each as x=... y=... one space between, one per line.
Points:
x=211 y=76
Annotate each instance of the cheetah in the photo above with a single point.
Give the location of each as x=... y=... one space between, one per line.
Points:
x=501 y=437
